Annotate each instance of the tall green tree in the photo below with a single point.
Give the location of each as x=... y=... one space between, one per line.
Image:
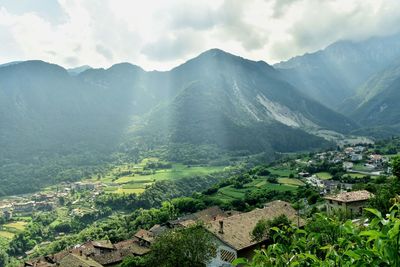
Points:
x=192 y=246
x=3 y=258
x=396 y=166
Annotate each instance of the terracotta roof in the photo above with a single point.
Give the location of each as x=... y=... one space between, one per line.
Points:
x=206 y=215
x=210 y=214
x=72 y=260
x=145 y=235
x=237 y=228
x=133 y=246
x=351 y=196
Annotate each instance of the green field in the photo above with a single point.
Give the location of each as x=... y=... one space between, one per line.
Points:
x=230 y=193
x=9 y=230
x=281 y=171
x=360 y=167
x=7 y=235
x=290 y=181
x=134 y=178
x=19 y=226
x=356 y=175
x=129 y=190
x=177 y=171
x=324 y=175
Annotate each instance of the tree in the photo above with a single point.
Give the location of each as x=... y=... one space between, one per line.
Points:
x=262 y=228
x=260 y=231
x=192 y=246
x=3 y=258
x=329 y=242
x=396 y=166
x=132 y=261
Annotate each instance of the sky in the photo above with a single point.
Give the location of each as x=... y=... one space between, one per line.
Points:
x=161 y=34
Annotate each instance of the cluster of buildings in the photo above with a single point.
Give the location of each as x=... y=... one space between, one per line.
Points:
x=43 y=201
x=327 y=186
x=25 y=206
x=231 y=232
x=351 y=155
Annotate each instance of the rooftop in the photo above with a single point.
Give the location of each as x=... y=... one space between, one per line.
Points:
x=237 y=228
x=72 y=260
x=144 y=235
x=350 y=196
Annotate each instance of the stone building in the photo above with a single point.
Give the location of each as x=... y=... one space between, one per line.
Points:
x=350 y=202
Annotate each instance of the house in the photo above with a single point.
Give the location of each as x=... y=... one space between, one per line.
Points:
x=24 y=207
x=83 y=186
x=73 y=260
x=144 y=238
x=6 y=212
x=348 y=165
x=352 y=202
x=93 y=254
x=356 y=157
x=93 y=248
x=122 y=249
x=304 y=174
x=377 y=160
x=210 y=214
x=233 y=234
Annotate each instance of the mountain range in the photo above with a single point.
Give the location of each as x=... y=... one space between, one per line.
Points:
x=51 y=114
x=337 y=72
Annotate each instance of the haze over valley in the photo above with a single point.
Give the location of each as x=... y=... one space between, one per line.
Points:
x=200 y=138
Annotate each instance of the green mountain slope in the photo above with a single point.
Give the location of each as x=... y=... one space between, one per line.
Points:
x=60 y=126
x=333 y=74
x=239 y=104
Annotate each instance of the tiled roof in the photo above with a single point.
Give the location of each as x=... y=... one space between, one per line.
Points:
x=72 y=260
x=206 y=215
x=103 y=244
x=237 y=228
x=145 y=235
x=353 y=196
x=133 y=246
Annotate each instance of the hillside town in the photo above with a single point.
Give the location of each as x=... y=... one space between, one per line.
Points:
x=231 y=229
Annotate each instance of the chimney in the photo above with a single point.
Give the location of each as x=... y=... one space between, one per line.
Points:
x=80 y=253
x=221 y=227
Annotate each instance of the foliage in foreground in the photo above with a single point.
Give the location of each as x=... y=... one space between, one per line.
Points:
x=190 y=246
x=327 y=242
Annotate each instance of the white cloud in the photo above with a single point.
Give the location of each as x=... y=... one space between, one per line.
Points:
x=161 y=34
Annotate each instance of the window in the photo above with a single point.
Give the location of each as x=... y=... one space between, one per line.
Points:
x=227 y=256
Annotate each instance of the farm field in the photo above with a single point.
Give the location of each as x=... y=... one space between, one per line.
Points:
x=7 y=235
x=356 y=175
x=360 y=167
x=19 y=226
x=9 y=230
x=281 y=171
x=290 y=181
x=324 y=175
x=230 y=193
x=132 y=178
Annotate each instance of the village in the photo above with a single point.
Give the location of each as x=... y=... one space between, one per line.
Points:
x=230 y=228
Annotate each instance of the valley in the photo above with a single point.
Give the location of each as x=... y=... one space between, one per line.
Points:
x=97 y=206
x=110 y=155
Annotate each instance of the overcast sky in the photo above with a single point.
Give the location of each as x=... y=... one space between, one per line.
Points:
x=160 y=34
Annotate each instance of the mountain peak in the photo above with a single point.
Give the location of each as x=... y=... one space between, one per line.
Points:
x=125 y=66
